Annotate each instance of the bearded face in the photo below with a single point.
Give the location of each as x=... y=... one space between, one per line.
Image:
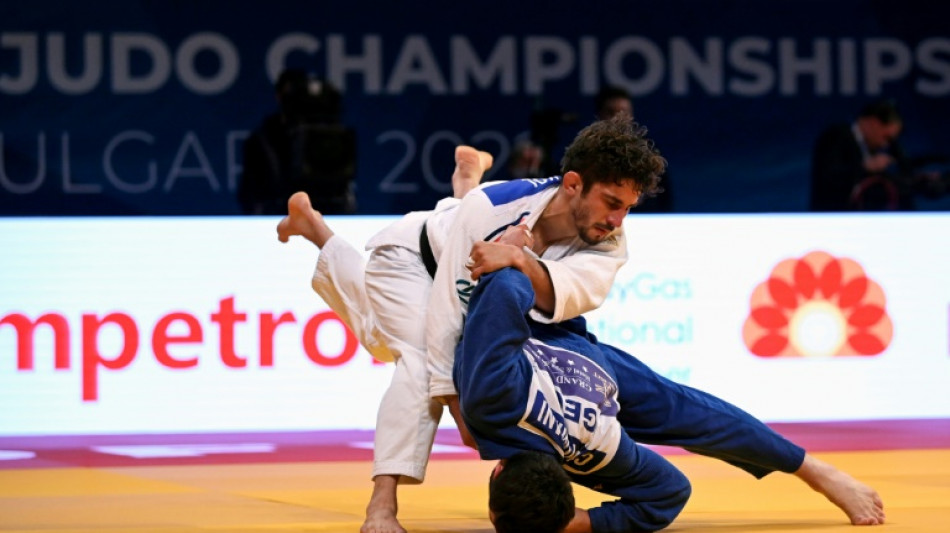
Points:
x=600 y=211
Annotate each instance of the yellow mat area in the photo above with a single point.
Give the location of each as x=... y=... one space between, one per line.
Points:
x=331 y=497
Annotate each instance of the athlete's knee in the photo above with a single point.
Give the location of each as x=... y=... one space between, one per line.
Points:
x=663 y=511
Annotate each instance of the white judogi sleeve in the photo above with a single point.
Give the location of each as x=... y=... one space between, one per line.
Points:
x=581 y=274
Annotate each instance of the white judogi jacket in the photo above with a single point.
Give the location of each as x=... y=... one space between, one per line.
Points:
x=581 y=274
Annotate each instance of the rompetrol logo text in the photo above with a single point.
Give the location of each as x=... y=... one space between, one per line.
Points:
x=817 y=306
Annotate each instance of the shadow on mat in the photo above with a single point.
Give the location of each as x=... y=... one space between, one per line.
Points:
x=765 y=525
x=453 y=530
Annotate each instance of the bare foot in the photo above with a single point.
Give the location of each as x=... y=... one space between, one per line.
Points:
x=860 y=502
x=381 y=511
x=381 y=521
x=470 y=166
x=303 y=220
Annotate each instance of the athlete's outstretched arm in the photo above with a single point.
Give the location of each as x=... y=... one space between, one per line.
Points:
x=492 y=345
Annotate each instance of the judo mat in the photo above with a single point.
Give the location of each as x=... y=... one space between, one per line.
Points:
x=320 y=482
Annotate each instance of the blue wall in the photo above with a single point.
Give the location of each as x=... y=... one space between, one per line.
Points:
x=139 y=107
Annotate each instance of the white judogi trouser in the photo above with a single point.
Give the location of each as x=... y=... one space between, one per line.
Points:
x=384 y=305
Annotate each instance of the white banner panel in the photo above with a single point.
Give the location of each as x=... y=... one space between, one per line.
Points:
x=684 y=299
x=139 y=325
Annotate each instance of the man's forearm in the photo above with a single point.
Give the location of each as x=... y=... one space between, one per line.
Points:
x=540 y=282
x=452 y=402
x=490 y=257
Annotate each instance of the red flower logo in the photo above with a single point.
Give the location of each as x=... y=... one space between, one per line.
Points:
x=819 y=305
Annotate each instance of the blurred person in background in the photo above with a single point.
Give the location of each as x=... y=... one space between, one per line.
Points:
x=524 y=162
x=861 y=166
x=301 y=147
x=612 y=100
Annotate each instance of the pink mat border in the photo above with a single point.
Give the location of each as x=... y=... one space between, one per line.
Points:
x=59 y=451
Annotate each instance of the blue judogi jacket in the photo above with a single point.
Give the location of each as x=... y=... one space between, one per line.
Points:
x=525 y=385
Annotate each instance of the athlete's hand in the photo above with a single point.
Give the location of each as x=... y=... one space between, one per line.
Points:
x=488 y=257
x=518 y=235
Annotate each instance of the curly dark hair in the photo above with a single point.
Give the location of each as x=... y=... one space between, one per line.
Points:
x=531 y=493
x=616 y=150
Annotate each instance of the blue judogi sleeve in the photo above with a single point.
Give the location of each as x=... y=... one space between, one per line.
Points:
x=490 y=371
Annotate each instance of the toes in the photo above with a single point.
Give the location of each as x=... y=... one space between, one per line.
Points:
x=467 y=152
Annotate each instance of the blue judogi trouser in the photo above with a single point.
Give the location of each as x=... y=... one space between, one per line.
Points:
x=656 y=410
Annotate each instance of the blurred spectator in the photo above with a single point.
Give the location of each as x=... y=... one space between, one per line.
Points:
x=546 y=125
x=533 y=157
x=612 y=100
x=525 y=161
x=301 y=147
x=862 y=167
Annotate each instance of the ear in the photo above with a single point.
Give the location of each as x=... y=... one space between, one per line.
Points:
x=572 y=182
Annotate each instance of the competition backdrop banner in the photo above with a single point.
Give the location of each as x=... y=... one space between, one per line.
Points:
x=142 y=107
x=150 y=325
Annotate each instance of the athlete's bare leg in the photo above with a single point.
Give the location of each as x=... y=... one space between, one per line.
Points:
x=381 y=511
x=470 y=165
x=860 y=502
x=303 y=220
